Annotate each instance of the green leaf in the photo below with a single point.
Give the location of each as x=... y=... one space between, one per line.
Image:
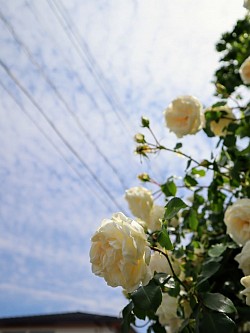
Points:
x=190 y=181
x=218 y=302
x=217 y=250
x=139 y=313
x=174 y=291
x=208 y=270
x=230 y=140
x=173 y=207
x=147 y=298
x=200 y=172
x=192 y=220
x=169 y=188
x=216 y=322
x=164 y=239
x=217 y=104
x=178 y=145
x=127 y=318
x=205 y=163
x=188 y=164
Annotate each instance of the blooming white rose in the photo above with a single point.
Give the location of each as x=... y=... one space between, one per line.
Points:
x=155 y=217
x=120 y=253
x=156 y=214
x=140 y=201
x=245 y=71
x=237 y=220
x=219 y=128
x=245 y=281
x=247 y=4
x=167 y=313
x=158 y=263
x=184 y=116
x=243 y=258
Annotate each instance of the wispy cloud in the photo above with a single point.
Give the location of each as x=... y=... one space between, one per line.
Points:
x=133 y=59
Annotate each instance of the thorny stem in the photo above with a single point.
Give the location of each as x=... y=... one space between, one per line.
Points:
x=170 y=265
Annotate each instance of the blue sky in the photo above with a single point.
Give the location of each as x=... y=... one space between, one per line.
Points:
x=92 y=69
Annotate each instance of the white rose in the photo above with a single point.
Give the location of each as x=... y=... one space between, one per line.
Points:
x=245 y=71
x=237 y=220
x=220 y=128
x=120 y=253
x=156 y=214
x=184 y=116
x=243 y=258
x=245 y=281
x=167 y=313
x=155 y=217
x=247 y=4
x=159 y=264
x=140 y=201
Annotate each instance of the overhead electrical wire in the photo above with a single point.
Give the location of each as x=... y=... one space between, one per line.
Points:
x=94 y=193
x=83 y=44
x=78 y=47
x=60 y=97
x=83 y=86
x=60 y=135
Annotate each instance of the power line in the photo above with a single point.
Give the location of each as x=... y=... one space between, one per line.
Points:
x=83 y=44
x=59 y=134
x=52 y=143
x=79 y=50
x=61 y=98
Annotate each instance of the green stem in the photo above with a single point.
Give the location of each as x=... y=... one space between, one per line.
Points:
x=170 y=265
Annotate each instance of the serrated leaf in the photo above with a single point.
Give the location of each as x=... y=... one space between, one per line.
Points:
x=190 y=181
x=217 y=250
x=216 y=322
x=218 y=302
x=173 y=207
x=169 y=188
x=164 y=239
x=147 y=298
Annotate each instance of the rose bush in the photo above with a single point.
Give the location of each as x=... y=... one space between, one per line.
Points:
x=186 y=262
x=120 y=254
x=184 y=116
